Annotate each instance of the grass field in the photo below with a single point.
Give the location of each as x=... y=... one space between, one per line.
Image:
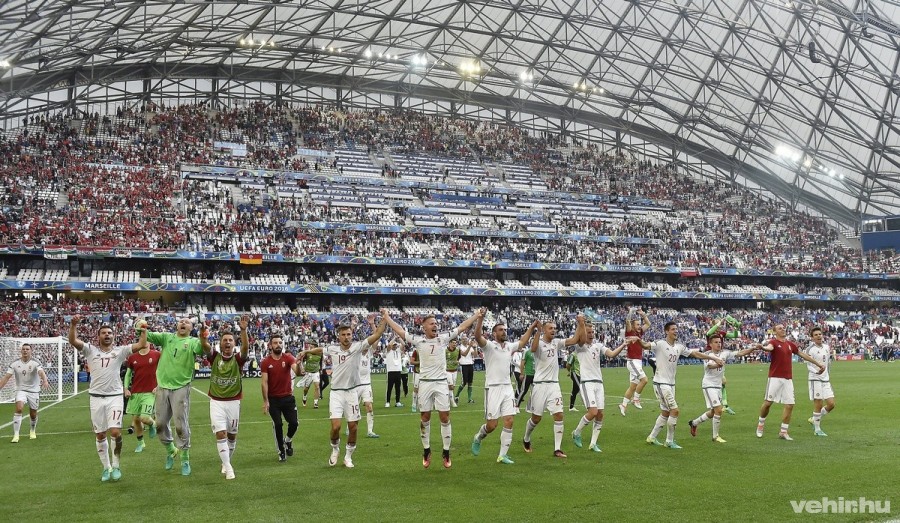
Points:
x=57 y=476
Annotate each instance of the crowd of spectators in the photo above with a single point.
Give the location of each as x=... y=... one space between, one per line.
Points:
x=114 y=180
x=848 y=332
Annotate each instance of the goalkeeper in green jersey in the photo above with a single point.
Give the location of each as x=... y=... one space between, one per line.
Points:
x=173 y=393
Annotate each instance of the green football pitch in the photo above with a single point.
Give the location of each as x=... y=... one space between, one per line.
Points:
x=57 y=476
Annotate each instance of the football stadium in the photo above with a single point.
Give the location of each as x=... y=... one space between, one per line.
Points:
x=396 y=260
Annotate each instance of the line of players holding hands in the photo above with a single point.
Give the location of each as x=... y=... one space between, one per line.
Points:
x=158 y=384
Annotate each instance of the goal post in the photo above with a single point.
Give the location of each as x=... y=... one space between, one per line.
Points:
x=57 y=357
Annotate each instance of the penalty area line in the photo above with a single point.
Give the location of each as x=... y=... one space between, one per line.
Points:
x=9 y=424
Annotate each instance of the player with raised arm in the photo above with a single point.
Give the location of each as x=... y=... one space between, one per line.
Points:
x=278 y=394
x=499 y=400
x=225 y=393
x=589 y=353
x=780 y=386
x=174 y=374
x=140 y=390
x=343 y=400
x=30 y=379
x=634 y=329
x=547 y=395
x=820 y=391
x=431 y=353
x=713 y=379
x=667 y=351
x=106 y=390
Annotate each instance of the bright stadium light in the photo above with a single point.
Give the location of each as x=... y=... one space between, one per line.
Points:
x=368 y=53
x=788 y=153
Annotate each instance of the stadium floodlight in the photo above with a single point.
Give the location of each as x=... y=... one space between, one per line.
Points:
x=788 y=153
x=470 y=67
x=368 y=53
x=808 y=162
x=4 y=63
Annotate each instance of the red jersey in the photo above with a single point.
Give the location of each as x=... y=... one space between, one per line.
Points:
x=635 y=351
x=279 y=372
x=143 y=371
x=782 y=365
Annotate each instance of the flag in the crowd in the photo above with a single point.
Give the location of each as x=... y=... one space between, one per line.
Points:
x=689 y=273
x=251 y=258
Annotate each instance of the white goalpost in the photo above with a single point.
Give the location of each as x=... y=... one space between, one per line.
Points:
x=58 y=358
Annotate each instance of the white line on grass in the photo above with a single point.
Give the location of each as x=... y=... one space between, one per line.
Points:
x=45 y=407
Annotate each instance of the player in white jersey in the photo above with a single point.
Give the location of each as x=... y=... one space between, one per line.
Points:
x=106 y=390
x=820 y=391
x=365 y=391
x=431 y=353
x=499 y=401
x=593 y=394
x=713 y=382
x=343 y=399
x=547 y=395
x=30 y=379
x=667 y=351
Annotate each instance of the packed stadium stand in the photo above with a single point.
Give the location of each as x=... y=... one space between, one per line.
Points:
x=128 y=192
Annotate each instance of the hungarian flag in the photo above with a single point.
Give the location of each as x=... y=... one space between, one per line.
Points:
x=251 y=259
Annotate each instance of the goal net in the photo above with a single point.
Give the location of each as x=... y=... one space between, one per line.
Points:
x=57 y=357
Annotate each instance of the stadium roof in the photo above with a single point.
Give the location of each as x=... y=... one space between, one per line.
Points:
x=793 y=97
